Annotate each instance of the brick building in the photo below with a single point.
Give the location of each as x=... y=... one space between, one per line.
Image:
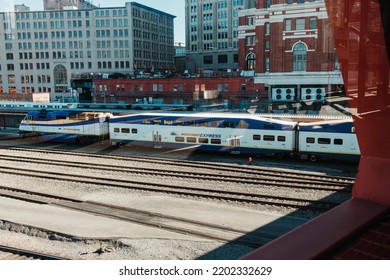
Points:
x=237 y=93
x=288 y=44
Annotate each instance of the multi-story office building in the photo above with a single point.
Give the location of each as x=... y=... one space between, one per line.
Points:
x=41 y=50
x=288 y=44
x=212 y=33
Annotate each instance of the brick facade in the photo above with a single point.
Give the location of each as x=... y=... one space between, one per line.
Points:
x=236 y=93
x=289 y=45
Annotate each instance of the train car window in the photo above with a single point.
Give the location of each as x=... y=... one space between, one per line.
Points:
x=179 y=139
x=146 y=121
x=242 y=124
x=269 y=138
x=256 y=137
x=338 y=141
x=204 y=140
x=125 y=130
x=190 y=123
x=134 y=130
x=158 y=122
x=61 y=117
x=269 y=126
x=179 y=122
x=168 y=122
x=191 y=139
x=228 y=124
x=325 y=141
x=202 y=123
x=116 y=130
x=282 y=138
x=215 y=123
x=310 y=140
x=215 y=141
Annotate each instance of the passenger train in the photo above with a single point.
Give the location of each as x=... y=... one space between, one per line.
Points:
x=81 y=127
x=213 y=132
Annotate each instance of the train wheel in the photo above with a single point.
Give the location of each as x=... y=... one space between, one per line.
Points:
x=313 y=158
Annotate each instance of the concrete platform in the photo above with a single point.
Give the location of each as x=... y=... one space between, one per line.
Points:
x=86 y=225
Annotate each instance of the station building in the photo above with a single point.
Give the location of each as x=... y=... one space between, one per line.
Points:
x=41 y=50
x=289 y=47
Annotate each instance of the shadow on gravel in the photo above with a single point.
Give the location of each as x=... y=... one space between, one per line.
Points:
x=233 y=250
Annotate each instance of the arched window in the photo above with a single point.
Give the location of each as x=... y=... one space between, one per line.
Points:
x=251 y=61
x=299 y=63
x=60 y=75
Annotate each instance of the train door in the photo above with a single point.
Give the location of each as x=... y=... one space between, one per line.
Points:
x=89 y=128
x=31 y=120
x=234 y=144
x=157 y=139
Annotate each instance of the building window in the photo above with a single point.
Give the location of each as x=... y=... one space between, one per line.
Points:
x=287 y=25
x=267 y=45
x=267 y=64
x=299 y=63
x=248 y=40
x=60 y=75
x=235 y=58
x=11 y=79
x=208 y=59
x=223 y=58
x=251 y=61
x=300 y=24
x=313 y=23
x=267 y=28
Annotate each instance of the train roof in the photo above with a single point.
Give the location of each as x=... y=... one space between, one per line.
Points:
x=209 y=115
x=336 y=126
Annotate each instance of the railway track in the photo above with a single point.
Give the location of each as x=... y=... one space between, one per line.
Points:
x=10 y=253
x=220 y=167
x=146 y=218
x=269 y=180
x=189 y=191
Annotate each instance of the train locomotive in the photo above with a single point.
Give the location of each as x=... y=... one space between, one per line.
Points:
x=211 y=132
x=68 y=126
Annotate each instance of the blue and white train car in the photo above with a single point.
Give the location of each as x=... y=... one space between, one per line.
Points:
x=68 y=126
x=335 y=139
x=235 y=133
